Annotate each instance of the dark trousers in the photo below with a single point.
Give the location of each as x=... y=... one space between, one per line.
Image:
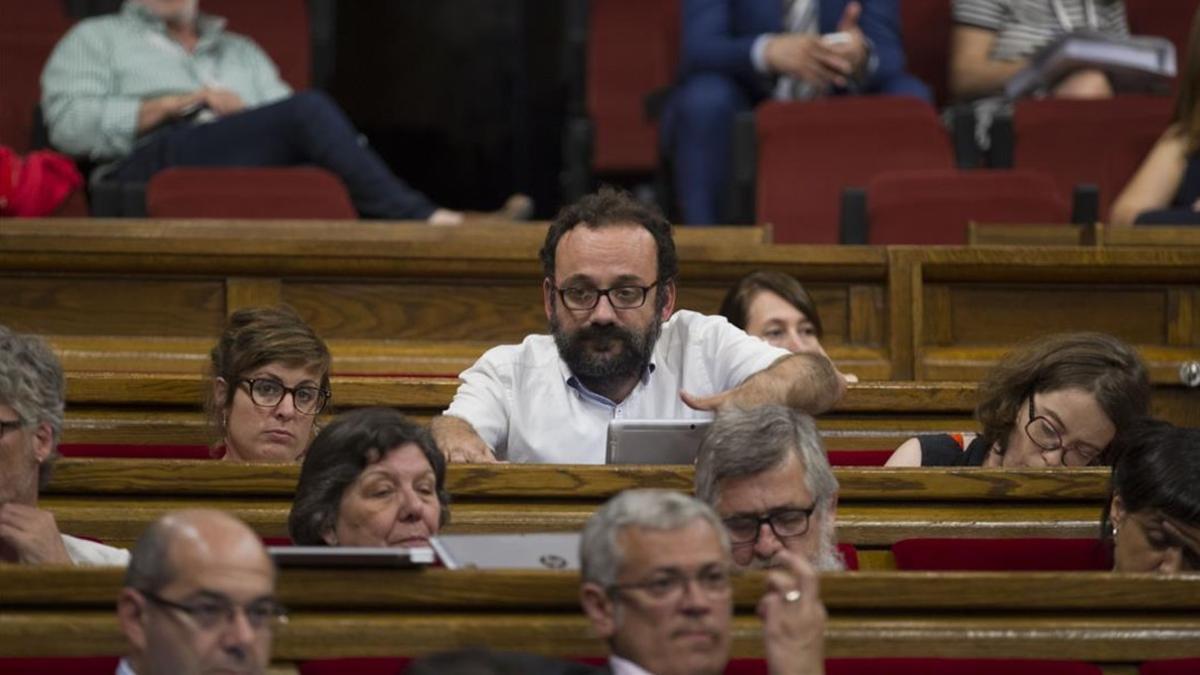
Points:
x=307 y=128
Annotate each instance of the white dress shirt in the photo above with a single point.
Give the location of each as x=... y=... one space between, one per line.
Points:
x=94 y=554
x=620 y=666
x=123 y=668
x=524 y=402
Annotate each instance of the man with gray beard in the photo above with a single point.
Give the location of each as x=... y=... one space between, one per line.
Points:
x=618 y=350
x=765 y=473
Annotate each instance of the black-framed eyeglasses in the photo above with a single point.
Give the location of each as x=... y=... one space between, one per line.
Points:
x=10 y=425
x=1044 y=435
x=668 y=586
x=211 y=614
x=785 y=523
x=621 y=297
x=267 y=392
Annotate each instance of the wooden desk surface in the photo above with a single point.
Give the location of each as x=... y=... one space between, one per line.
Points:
x=1083 y=616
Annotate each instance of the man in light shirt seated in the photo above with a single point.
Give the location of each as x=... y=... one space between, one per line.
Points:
x=617 y=349
x=656 y=586
x=199 y=597
x=765 y=472
x=32 y=399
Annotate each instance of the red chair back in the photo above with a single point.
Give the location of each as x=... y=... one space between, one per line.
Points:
x=60 y=665
x=280 y=27
x=632 y=50
x=28 y=33
x=257 y=193
x=957 y=667
x=925 y=29
x=1002 y=555
x=1099 y=142
x=126 y=451
x=808 y=152
x=934 y=207
x=1171 y=667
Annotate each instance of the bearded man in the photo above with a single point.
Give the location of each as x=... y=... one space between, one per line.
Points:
x=617 y=349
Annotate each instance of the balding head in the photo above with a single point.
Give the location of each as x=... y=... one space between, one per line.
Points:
x=199 y=594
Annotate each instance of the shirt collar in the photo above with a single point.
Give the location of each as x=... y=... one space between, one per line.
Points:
x=123 y=668
x=622 y=666
x=574 y=383
x=208 y=26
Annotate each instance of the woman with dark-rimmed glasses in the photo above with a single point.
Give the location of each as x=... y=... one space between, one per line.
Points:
x=1057 y=401
x=270 y=380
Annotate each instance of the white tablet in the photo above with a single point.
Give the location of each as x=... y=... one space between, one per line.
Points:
x=539 y=551
x=350 y=556
x=654 y=441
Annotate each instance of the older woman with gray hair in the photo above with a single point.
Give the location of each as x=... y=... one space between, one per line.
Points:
x=32 y=399
x=372 y=478
x=766 y=474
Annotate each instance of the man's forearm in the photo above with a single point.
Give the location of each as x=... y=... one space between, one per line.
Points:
x=807 y=382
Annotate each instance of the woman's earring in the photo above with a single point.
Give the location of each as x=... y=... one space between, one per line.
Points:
x=1114 y=530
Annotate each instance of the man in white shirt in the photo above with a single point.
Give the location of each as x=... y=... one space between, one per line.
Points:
x=656 y=586
x=32 y=399
x=765 y=472
x=617 y=349
x=199 y=597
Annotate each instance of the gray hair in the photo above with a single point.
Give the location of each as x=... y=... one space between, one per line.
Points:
x=600 y=553
x=33 y=385
x=748 y=442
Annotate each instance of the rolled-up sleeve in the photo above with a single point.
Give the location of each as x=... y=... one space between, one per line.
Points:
x=735 y=355
x=481 y=398
x=268 y=86
x=84 y=115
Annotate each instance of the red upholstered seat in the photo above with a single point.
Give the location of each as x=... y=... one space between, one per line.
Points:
x=957 y=667
x=280 y=27
x=808 y=152
x=28 y=33
x=859 y=457
x=1024 y=555
x=632 y=50
x=849 y=555
x=1171 y=667
x=934 y=207
x=1096 y=142
x=60 y=665
x=362 y=666
x=283 y=192
x=126 y=451
x=925 y=30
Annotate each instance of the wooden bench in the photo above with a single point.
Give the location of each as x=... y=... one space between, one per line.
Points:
x=1096 y=617
x=114 y=500
x=141 y=408
x=1098 y=234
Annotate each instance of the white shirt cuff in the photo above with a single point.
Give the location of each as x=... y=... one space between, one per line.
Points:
x=758 y=53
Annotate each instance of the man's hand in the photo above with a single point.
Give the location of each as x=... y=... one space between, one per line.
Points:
x=155 y=111
x=793 y=618
x=804 y=381
x=806 y=58
x=223 y=101
x=33 y=534
x=457 y=440
x=854 y=49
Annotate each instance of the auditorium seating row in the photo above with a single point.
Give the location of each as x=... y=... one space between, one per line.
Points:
x=1085 y=617
x=394 y=299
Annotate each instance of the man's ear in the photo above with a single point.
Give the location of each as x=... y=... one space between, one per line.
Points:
x=548 y=297
x=599 y=608
x=668 y=287
x=43 y=442
x=131 y=615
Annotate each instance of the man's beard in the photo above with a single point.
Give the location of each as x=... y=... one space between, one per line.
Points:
x=827 y=558
x=603 y=373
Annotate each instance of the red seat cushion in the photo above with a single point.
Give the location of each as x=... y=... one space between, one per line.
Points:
x=808 y=152
x=1171 y=667
x=60 y=665
x=859 y=457
x=925 y=29
x=957 y=667
x=632 y=50
x=849 y=556
x=1024 y=555
x=234 y=192
x=1101 y=142
x=934 y=207
x=360 y=666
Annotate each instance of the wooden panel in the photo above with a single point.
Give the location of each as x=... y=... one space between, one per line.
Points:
x=997 y=234
x=334 y=613
x=1156 y=236
x=495 y=311
x=243 y=292
x=1007 y=314
x=1181 y=311
x=71 y=305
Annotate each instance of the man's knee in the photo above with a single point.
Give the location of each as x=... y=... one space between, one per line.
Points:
x=708 y=99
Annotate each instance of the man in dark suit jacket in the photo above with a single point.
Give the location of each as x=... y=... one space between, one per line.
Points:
x=736 y=53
